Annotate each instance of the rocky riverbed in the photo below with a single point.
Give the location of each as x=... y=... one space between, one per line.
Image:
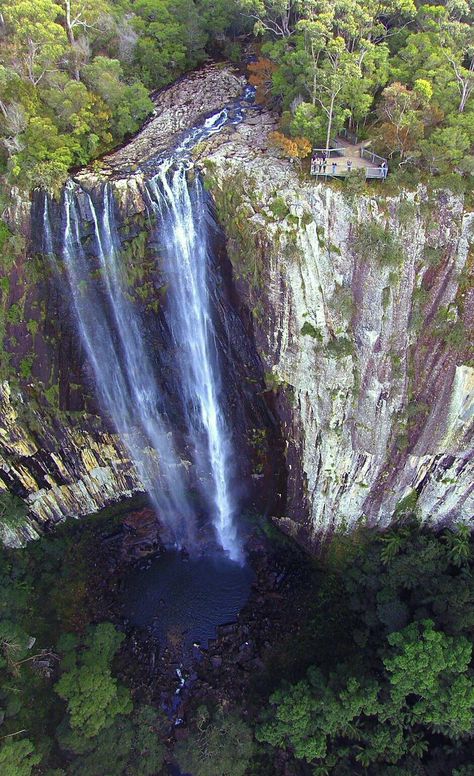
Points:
x=178 y=107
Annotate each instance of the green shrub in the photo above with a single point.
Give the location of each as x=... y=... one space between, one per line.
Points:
x=340 y=347
x=14 y=314
x=374 y=241
x=311 y=331
x=355 y=183
x=13 y=510
x=279 y=208
x=25 y=366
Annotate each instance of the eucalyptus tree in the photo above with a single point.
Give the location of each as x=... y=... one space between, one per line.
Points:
x=37 y=39
x=273 y=17
x=456 y=35
x=82 y=17
x=332 y=56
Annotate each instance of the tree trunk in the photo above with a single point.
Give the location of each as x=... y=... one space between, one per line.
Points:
x=330 y=114
x=467 y=85
x=70 y=37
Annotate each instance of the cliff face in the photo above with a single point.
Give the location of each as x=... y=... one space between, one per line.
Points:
x=360 y=308
x=57 y=452
x=363 y=311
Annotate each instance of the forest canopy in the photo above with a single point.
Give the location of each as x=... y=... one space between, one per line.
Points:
x=400 y=73
x=75 y=75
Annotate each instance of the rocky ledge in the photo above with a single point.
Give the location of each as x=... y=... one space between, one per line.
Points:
x=178 y=107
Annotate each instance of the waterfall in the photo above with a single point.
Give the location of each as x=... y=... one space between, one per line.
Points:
x=110 y=330
x=182 y=233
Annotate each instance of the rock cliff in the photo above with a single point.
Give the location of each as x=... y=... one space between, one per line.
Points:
x=363 y=310
x=56 y=451
x=359 y=306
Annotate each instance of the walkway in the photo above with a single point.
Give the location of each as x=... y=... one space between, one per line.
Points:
x=343 y=151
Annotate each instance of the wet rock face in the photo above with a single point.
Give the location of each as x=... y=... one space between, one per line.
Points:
x=60 y=465
x=58 y=452
x=363 y=313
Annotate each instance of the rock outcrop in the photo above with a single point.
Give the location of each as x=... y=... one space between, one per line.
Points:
x=363 y=310
x=360 y=307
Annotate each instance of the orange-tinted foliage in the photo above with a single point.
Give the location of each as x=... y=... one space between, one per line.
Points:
x=260 y=76
x=294 y=147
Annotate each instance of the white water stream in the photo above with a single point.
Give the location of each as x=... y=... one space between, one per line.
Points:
x=111 y=329
x=182 y=227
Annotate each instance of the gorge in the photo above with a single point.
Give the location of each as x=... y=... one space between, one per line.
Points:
x=236 y=388
x=341 y=333
x=254 y=394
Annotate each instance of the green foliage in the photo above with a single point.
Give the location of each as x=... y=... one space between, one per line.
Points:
x=311 y=331
x=26 y=364
x=234 y=212
x=432 y=667
x=18 y=758
x=354 y=184
x=93 y=696
x=340 y=347
x=375 y=241
x=14 y=314
x=12 y=510
x=279 y=208
x=129 y=105
x=406 y=211
x=406 y=506
x=399 y=73
x=44 y=594
x=129 y=746
x=407 y=677
x=218 y=746
x=32 y=327
x=75 y=74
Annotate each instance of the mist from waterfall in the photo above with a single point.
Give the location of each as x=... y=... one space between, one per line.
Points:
x=111 y=332
x=182 y=233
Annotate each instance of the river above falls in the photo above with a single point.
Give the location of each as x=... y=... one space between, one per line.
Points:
x=183 y=600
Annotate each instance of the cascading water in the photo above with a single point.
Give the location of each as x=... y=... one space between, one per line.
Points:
x=111 y=331
x=123 y=378
x=182 y=230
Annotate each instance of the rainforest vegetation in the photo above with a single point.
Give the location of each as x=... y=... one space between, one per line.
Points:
x=75 y=75
x=399 y=72
x=380 y=681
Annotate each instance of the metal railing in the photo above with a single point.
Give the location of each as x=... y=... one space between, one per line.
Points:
x=351 y=137
x=370 y=172
x=371 y=157
x=376 y=172
x=330 y=153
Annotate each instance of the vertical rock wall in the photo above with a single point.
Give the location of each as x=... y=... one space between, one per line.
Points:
x=363 y=312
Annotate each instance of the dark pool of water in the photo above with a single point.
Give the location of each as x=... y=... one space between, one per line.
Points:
x=184 y=600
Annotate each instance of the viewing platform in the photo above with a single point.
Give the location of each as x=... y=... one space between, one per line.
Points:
x=345 y=156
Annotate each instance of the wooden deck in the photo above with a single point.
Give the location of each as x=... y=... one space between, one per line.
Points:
x=344 y=151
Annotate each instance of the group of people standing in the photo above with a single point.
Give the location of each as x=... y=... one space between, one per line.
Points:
x=321 y=164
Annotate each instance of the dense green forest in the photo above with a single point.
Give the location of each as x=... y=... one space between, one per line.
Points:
x=398 y=72
x=379 y=681
x=75 y=75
